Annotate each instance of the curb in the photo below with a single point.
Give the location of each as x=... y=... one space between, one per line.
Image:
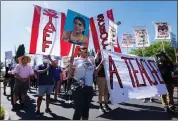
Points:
x=6 y=117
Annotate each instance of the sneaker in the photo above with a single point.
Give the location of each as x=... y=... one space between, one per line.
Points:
x=14 y=108
x=165 y=108
x=144 y=101
x=107 y=108
x=172 y=109
x=102 y=110
x=37 y=113
x=151 y=100
x=48 y=110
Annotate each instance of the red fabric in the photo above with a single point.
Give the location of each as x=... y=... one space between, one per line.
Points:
x=35 y=29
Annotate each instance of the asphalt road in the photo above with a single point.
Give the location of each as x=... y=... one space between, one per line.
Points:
x=130 y=110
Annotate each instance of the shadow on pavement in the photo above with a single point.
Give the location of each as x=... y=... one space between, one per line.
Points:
x=125 y=114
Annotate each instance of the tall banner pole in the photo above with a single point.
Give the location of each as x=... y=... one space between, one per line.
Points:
x=71 y=61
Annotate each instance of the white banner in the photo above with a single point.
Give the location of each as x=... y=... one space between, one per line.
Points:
x=141 y=36
x=131 y=77
x=162 y=31
x=46 y=33
x=8 y=55
x=174 y=43
x=128 y=40
x=112 y=34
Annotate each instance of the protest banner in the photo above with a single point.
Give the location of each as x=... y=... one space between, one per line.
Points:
x=174 y=43
x=141 y=36
x=131 y=77
x=112 y=35
x=162 y=31
x=76 y=28
x=47 y=29
x=99 y=26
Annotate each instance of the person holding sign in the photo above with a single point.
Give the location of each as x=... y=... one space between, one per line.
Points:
x=78 y=32
x=82 y=70
x=166 y=67
x=45 y=76
x=102 y=84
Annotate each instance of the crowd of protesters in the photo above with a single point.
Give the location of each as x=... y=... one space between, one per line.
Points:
x=78 y=84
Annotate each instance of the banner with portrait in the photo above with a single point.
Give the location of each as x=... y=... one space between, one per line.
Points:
x=162 y=31
x=128 y=40
x=141 y=36
x=76 y=30
x=132 y=77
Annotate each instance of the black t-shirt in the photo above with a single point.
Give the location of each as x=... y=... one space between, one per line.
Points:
x=101 y=72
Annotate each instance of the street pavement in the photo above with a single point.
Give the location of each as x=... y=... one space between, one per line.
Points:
x=130 y=110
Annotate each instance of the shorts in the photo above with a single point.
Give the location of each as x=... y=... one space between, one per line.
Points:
x=20 y=87
x=45 y=89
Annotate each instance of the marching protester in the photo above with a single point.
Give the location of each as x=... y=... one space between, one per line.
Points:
x=45 y=82
x=57 y=73
x=22 y=74
x=64 y=79
x=102 y=85
x=83 y=69
x=7 y=77
x=166 y=67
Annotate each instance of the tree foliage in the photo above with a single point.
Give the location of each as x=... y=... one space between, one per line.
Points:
x=20 y=52
x=155 y=48
x=91 y=53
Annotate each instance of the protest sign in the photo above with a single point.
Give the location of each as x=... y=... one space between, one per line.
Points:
x=8 y=55
x=174 y=43
x=162 y=31
x=76 y=28
x=47 y=28
x=128 y=40
x=99 y=30
x=112 y=34
x=141 y=36
x=132 y=77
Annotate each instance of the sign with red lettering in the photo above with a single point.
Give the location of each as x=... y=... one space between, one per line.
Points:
x=162 y=31
x=99 y=30
x=141 y=36
x=132 y=77
x=46 y=33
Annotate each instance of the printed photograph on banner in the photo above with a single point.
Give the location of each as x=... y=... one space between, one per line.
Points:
x=128 y=40
x=65 y=61
x=76 y=28
x=112 y=33
x=162 y=31
x=141 y=36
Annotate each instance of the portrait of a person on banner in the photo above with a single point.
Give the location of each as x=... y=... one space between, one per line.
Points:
x=163 y=29
x=141 y=35
x=76 y=28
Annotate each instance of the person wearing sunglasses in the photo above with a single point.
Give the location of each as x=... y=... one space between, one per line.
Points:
x=82 y=70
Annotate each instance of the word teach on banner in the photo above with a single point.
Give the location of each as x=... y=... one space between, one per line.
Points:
x=132 y=77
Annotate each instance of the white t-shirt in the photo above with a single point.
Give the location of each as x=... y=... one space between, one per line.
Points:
x=84 y=68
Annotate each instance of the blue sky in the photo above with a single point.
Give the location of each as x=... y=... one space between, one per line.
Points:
x=16 y=17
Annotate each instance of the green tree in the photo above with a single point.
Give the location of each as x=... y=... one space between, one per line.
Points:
x=20 y=52
x=155 y=48
x=92 y=53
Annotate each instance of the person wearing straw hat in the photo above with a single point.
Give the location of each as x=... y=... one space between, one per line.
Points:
x=166 y=67
x=22 y=73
